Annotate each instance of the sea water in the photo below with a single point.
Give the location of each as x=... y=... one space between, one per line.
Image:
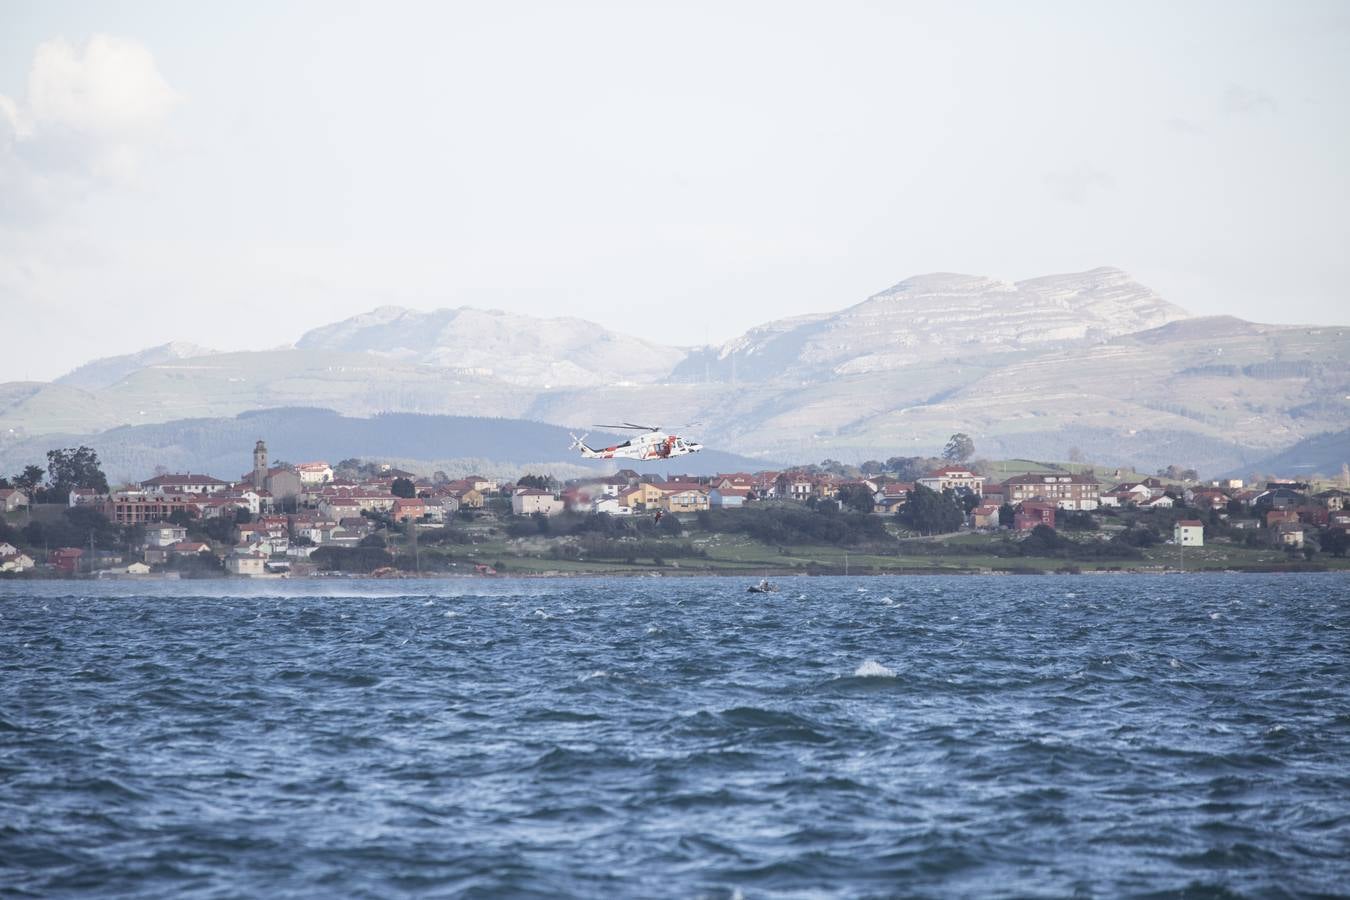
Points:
x=977 y=736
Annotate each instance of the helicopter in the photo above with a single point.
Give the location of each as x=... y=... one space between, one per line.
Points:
x=653 y=443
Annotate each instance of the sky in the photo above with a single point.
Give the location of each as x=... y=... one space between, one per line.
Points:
x=235 y=174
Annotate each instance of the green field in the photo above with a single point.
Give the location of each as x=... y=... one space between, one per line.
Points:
x=733 y=554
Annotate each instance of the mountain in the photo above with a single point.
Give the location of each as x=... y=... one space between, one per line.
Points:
x=1321 y=454
x=931 y=317
x=458 y=445
x=516 y=349
x=104 y=372
x=1093 y=361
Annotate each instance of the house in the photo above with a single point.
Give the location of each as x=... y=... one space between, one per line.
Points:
x=1313 y=515
x=611 y=506
x=251 y=563
x=893 y=490
x=984 y=516
x=1289 y=534
x=685 y=499
x=405 y=509
x=185 y=483
x=797 y=486
x=1162 y=501
x=12 y=499
x=469 y=498
x=766 y=485
x=1132 y=492
x=1206 y=498
x=1065 y=490
x=339 y=507
x=164 y=535
x=1034 y=512
x=1275 y=517
x=956 y=478
x=1334 y=499
x=889 y=506
x=728 y=497
x=82 y=496
x=995 y=494
x=138 y=568
x=740 y=481
x=312 y=473
x=14 y=560
x=484 y=486
x=531 y=500
x=189 y=548
x=1189 y=533
x=137 y=507
x=65 y=559
x=642 y=496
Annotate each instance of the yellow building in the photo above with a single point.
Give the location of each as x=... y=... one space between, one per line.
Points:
x=685 y=500
x=642 y=496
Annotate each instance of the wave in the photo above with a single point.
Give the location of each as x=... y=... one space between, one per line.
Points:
x=870 y=668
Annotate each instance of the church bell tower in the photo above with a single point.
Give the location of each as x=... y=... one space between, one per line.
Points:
x=259 y=465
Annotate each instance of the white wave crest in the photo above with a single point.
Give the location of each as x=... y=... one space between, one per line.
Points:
x=870 y=668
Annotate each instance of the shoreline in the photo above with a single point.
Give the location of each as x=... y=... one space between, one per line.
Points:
x=684 y=574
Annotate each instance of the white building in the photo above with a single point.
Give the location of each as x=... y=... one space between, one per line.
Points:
x=611 y=505
x=1189 y=533
x=957 y=478
x=531 y=501
x=164 y=535
x=312 y=473
x=185 y=483
x=251 y=564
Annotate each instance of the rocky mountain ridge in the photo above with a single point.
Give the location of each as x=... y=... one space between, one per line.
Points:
x=1092 y=361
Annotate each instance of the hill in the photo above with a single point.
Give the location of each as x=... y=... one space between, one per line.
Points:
x=516 y=349
x=1321 y=454
x=1092 y=360
x=457 y=445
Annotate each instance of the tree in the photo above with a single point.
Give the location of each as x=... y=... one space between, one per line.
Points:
x=872 y=467
x=1335 y=541
x=537 y=482
x=959 y=448
x=929 y=512
x=1042 y=541
x=28 y=479
x=74 y=467
x=1007 y=516
x=403 y=487
x=857 y=497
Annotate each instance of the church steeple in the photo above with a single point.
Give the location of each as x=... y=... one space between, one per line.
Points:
x=259 y=465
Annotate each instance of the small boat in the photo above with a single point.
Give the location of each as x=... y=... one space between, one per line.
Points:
x=764 y=587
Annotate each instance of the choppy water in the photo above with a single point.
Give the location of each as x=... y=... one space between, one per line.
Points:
x=657 y=737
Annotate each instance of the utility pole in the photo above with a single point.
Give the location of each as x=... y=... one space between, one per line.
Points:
x=417 y=553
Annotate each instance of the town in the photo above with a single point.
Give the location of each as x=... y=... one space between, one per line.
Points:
x=905 y=514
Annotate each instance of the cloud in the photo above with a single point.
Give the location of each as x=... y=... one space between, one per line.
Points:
x=1076 y=185
x=87 y=117
x=1244 y=101
x=1179 y=125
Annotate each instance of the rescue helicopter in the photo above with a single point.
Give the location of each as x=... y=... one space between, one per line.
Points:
x=653 y=443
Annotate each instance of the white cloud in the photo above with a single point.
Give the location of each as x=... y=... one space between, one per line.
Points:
x=87 y=117
x=1245 y=101
x=1078 y=184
